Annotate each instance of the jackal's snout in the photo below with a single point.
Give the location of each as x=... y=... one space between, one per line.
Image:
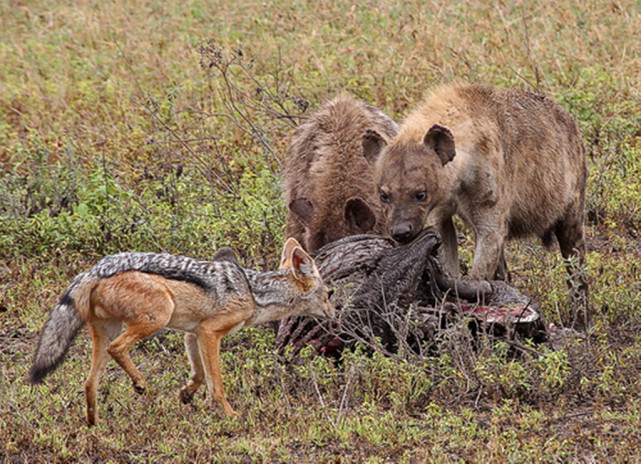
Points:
x=329 y=311
x=318 y=304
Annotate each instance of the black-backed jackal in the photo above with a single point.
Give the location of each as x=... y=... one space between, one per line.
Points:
x=205 y=299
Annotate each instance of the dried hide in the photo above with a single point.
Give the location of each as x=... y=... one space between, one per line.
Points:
x=398 y=297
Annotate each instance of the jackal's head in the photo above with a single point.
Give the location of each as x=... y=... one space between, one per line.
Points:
x=408 y=176
x=309 y=293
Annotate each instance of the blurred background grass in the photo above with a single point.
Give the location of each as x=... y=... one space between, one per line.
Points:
x=163 y=126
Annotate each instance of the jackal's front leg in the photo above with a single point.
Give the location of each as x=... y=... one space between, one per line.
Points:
x=197 y=369
x=209 y=344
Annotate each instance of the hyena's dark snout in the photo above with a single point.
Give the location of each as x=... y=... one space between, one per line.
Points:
x=404 y=232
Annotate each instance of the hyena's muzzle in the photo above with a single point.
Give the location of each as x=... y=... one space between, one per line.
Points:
x=403 y=227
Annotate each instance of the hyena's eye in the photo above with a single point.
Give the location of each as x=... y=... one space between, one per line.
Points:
x=385 y=198
x=420 y=196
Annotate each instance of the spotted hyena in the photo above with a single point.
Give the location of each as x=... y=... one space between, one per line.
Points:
x=510 y=163
x=327 y=182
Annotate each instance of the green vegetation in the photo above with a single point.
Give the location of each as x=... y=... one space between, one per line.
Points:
x=161 y=126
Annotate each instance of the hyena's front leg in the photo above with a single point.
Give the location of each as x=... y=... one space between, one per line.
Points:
x=502 y=271
x=448 y=254
x=197 y=369
x=488 y=251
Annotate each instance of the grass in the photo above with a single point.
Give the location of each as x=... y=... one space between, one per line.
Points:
x=163 y=127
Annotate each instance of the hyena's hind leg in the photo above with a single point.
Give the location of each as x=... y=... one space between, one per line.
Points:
x=102 y=333
x=197 y=369
x=570 y=234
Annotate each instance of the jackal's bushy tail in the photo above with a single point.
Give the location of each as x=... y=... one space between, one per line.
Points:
x=56 y=337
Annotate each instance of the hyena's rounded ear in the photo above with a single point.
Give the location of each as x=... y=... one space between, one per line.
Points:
x=285 y=256
x=373 y=144
x=359 y=214
x=441 y=140
x=303 y=266
x=302 y=208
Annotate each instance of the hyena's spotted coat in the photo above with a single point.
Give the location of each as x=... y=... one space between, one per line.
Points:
x=328 y=184
x=510 y=163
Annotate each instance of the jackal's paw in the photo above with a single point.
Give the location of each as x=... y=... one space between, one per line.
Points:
x=186 y=396
x=140 y=388
x=92 y=417
x=229 y=411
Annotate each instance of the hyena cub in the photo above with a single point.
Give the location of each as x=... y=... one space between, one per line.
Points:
x=510 y=163
x=328 y=184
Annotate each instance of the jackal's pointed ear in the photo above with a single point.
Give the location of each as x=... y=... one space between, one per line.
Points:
x=303 y=266
x=373 y=144
x=302 y=208
x=225 y=254
x=441 y=140
x=359 y=214
x=286 y=255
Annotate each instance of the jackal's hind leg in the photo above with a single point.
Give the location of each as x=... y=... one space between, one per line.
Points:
x=102 y=333
x=197 y=369
x=118 y=349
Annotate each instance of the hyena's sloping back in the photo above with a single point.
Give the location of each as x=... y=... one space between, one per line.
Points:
x=326 y=167
x=540 y=135
x=541 y=165
x=216 y=278
x=510 y=163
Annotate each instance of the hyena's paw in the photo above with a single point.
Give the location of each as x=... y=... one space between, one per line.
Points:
x=186 y=396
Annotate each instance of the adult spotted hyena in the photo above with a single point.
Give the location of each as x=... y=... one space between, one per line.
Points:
x=510 y=163
x=328 y=184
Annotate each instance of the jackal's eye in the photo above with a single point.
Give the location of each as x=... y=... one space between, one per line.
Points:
x=420 y=196
x=385 y=198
